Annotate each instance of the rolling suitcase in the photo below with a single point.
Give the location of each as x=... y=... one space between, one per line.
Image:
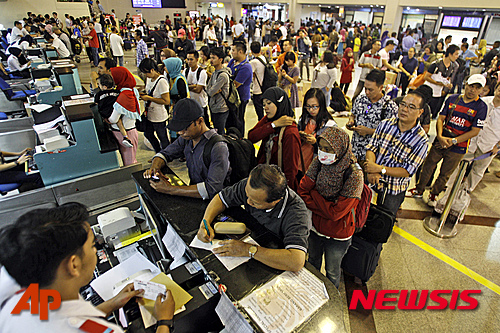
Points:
x=378 y=225
x=361 y=258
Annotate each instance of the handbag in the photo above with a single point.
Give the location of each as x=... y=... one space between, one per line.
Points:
x=140 y=125
x=300 y=173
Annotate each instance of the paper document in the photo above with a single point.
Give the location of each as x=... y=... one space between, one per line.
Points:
x=285 y=302
x=229 y=262
x=40 y=107
x=174 y=244
x=104 y=284
x=126 y=252
x=151 y=289
x=229 y=315
x=181 y=296
x=80 y=96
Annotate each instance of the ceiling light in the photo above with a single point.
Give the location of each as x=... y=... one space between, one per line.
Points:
x=440 y=7
x=407 y=8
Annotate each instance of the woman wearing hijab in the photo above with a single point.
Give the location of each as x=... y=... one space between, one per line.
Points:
x=17 y=62
x=178 y=84
x=346 y=68
x=127 y=108
x=279 y=115
x=340 y=48
x=332 y=201
x=481 y=50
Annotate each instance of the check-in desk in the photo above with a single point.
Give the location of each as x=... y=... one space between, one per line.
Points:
x=17 y=134
x=185 y=214
x=66 y=83
x=89 y=153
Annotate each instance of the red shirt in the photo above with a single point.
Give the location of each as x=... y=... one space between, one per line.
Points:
x=94 y=42
x=291 y=148
x=346 y=69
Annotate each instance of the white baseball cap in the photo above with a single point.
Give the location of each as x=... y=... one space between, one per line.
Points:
x=477 y=78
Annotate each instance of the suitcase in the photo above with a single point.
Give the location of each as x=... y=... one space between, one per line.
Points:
x=378 y=225
x=361 y=258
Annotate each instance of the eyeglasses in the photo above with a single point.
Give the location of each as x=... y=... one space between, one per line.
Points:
x=312 y=107
x=409 y=106
x=191 y=123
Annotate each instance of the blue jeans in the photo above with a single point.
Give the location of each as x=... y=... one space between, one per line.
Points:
x=219 y=121
x=334 y=251
x=95 y=55
x=119 y=60
x=391 y=202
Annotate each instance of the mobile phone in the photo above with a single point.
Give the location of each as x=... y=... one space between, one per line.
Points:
x=155 y=178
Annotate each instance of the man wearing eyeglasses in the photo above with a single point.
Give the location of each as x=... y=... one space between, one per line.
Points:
x=205 y=182
x=396 y=150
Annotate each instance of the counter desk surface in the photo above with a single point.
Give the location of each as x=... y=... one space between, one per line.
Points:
x=185 y=215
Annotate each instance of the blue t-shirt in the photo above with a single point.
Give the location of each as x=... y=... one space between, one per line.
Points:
x=464 y=117
x=409 y=64
x=244 y=75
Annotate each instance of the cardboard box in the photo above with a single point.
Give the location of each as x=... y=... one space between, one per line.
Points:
x=390 y=78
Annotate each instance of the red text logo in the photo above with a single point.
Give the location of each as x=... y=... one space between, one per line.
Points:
x=413 y=299
x=39 y=301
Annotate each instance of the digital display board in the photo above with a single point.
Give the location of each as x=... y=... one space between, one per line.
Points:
x=472 y=22
x=451 y=21
x=146 y=4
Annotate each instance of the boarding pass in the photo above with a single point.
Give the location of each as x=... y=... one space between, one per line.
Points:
x=151 y=289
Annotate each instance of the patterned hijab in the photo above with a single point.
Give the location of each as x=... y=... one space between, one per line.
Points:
x=329 y=178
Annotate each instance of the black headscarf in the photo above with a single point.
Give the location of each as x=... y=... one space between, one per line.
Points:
x=280 y=98
x=15 y=51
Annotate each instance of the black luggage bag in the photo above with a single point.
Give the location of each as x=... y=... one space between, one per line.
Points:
x=361 y=258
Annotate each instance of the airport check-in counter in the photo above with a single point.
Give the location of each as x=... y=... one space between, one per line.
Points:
x=91 y=148
x=17 y=134
x=184 y=216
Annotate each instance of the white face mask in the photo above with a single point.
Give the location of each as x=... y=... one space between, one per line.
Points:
x=326 y=158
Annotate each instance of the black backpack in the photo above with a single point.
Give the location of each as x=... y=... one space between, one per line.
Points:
x=270 y=76
x=241 y=154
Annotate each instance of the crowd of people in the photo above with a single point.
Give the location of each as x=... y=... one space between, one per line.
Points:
x=298 y=189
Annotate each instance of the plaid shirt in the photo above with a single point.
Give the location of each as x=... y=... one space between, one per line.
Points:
x=142 y=51
x=396 y=149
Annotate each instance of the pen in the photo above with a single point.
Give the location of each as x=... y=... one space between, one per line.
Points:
x=206 y=228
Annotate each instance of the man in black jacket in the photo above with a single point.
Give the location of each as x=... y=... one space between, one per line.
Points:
x=182 y=44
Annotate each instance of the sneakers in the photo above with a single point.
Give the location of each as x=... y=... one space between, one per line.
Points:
x=413 y=193
x=127 y=143
x=432 y=200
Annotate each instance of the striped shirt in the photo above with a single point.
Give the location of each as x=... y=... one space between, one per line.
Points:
x=369 y=58
x=142 y=51
x=396 y=149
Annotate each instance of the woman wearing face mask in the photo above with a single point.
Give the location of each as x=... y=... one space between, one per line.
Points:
x=279 y=114
x=331 y=200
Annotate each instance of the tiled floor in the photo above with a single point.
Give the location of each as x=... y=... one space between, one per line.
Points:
x=405 y=266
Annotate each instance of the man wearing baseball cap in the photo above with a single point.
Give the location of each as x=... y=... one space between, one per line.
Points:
x=461 y=119
x=182 y=44
x=188 y=122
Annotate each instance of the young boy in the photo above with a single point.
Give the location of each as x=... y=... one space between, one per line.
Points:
x=105 y=99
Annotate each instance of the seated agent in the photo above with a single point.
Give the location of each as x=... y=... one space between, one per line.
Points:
x=55 y=248
x=273 y=204
x=188 y=122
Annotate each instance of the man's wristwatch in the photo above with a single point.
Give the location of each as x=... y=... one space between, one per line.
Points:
x=454 y=141
x=383 y=171
x=169 y=323
x=252 y=251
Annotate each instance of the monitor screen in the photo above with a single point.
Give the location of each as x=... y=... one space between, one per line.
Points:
x=146 y=3
x=472 y=22
x=451 y=21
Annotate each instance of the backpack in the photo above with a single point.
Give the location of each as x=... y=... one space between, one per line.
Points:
x=241 y=154
x=363 y=207
x=198 y=73
x=270 y=76
x=233 y=98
